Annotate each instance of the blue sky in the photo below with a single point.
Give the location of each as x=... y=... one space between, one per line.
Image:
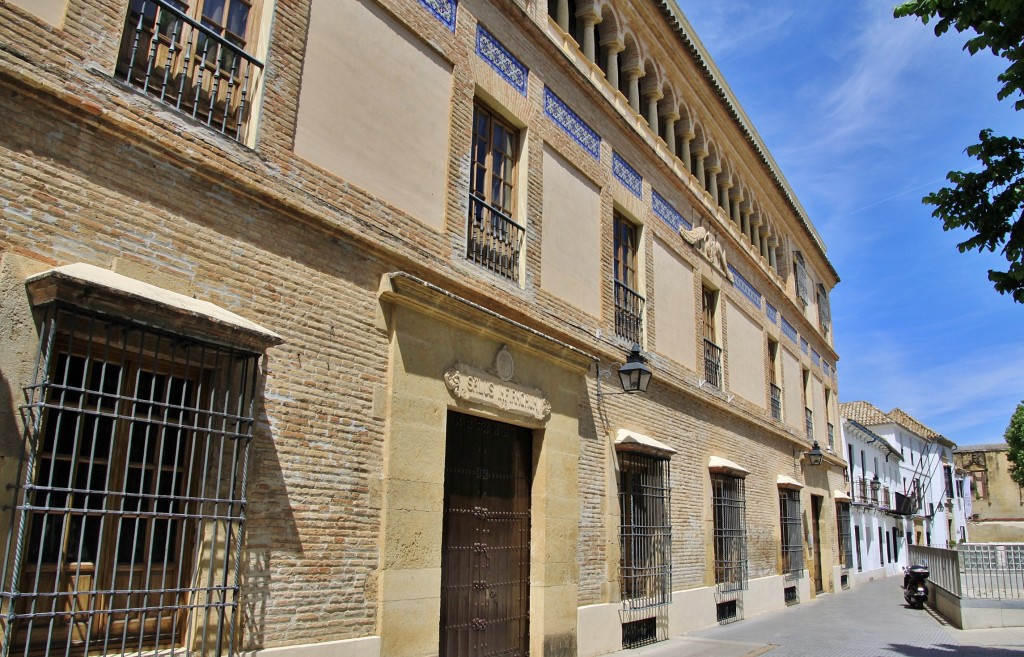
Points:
x=865 y=114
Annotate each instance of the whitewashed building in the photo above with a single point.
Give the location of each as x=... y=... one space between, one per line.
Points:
x=904 y=488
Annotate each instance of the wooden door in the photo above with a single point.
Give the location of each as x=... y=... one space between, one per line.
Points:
x=485 y=559
x=819 y=582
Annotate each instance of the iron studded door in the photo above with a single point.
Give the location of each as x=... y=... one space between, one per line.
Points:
x=485 y=553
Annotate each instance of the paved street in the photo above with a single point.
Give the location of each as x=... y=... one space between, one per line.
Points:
x=869 y=621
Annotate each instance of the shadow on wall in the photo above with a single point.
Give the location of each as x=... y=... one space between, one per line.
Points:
x=270 y=527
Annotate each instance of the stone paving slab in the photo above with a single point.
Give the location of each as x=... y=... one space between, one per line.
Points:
x=870 y=620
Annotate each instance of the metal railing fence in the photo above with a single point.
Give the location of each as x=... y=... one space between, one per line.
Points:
x=495 y=241
x=187 y=64
x=987 y=571
x=712 y=363
x=629 y=313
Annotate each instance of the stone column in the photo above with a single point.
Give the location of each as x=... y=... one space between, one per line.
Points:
x=633 y=76
x=613 y=48
x=684 y=153
x=652 y=95
x=745 y=211
x=755 y=232
x=562 y=15
x=724 y=185
x=735 y=199
x=699 y=154
x=589 y=50
x=711 y=184
x=668 y=122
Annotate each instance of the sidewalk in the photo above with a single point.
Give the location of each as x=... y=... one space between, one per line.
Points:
x=868 y=621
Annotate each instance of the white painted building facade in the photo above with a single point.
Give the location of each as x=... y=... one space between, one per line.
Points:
x=904 y=488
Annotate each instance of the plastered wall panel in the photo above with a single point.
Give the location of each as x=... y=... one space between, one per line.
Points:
x=571 y=258
x=364 y=131
x=674 y=314
x=745 y=343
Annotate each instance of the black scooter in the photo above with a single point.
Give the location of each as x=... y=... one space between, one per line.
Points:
x=915 y=592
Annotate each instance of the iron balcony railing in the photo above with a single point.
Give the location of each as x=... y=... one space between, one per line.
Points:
x=712 y=363
x=495 y=241
x=884 y=498
x=809 y=423
x=864 y=492
x=776 y=402
x=188 y=65
x=629 y=313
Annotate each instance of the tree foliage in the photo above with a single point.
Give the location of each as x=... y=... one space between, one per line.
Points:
x=1015 y=439
x=989 y=202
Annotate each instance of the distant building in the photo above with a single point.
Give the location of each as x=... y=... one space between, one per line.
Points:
x=877 y=525
x=927 y=492
x=997 y=514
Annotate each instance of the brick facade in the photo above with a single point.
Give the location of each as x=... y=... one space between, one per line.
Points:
x=93 y=171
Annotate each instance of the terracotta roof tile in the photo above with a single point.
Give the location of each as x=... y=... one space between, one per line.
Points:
x=862 y=412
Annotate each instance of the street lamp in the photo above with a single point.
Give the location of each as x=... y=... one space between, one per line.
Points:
x=815 y=456
x=876 y=483
x=634 y=375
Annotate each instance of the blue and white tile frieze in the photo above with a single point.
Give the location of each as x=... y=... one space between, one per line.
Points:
x=501 y=60
x=788 y=329
x=573 y=125
x=627 y=175
x=771 y=312
x=444 y=10
x=744 y=286
x=668 y=214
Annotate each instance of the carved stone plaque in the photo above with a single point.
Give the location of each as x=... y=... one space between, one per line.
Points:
x=477 y=386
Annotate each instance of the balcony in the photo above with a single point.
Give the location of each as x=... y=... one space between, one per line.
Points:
x=871 y=492
x=776 y=402
x=188 y=65
x=494 y=240
x=629 y=313
x=712 y=363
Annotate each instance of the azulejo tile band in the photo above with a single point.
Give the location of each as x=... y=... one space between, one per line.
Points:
x=803 y=345
x=744 y=286
x=788 y=329
x=627 y=175
x=773 y=314
x=668 y=214
x=444 y=10
x=501 y=60
x=573 y=125
x=815 y=358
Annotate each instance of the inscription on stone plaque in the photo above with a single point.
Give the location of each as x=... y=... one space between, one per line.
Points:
x=474 y=385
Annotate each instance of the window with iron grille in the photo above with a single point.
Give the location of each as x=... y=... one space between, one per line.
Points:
x=645 y=531
x=128 y=524
x=824 y=309
x=195 y=55
x=728 y=499
x=494 y=240
x=792 y=536
x=803 y=292
x=845 y=540
x=712 y=352
x=629 y=304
